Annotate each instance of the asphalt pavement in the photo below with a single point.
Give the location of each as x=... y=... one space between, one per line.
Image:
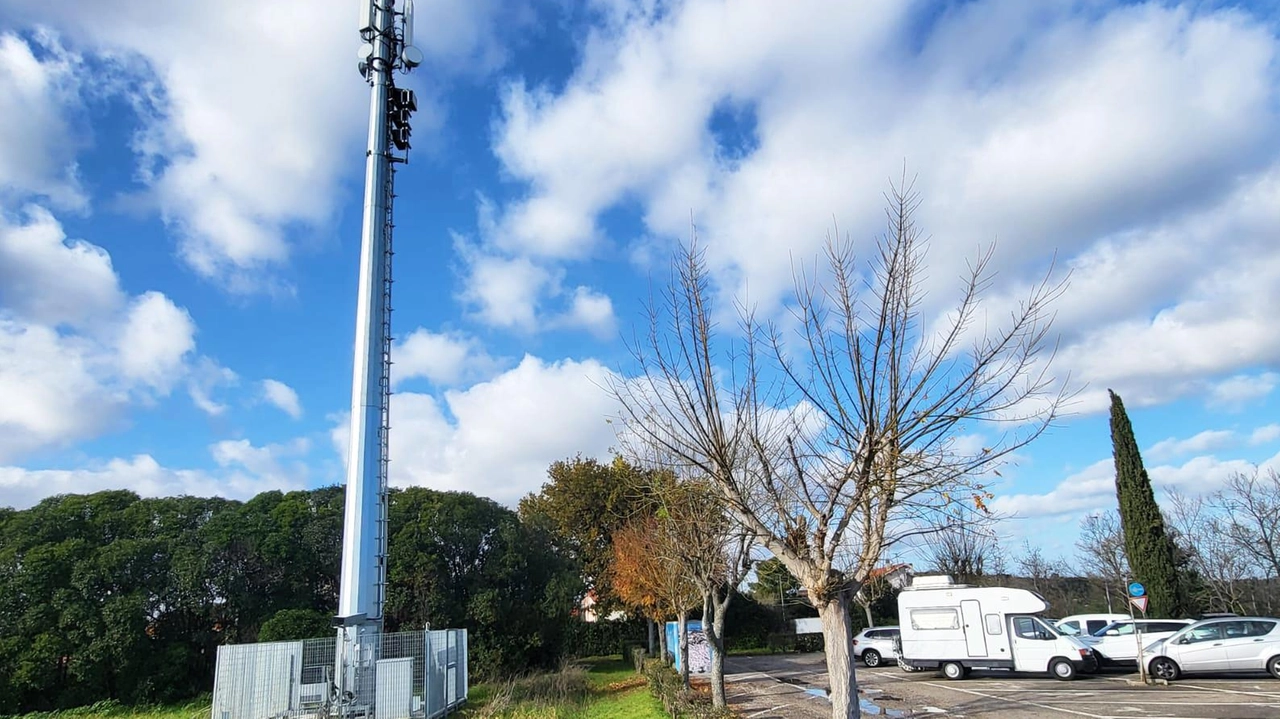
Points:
x=794 y=686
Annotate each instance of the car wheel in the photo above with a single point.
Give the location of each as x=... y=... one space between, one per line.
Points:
x=953 y=671
x=1062 y=669
x=1273 y=666
x=1164 y=668
x=871 y=658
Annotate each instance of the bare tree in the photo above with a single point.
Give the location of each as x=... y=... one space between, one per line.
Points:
x=834 y=443
x=1212 y=552
x=1251 y=505
x=1102 y=553
x=965 y=545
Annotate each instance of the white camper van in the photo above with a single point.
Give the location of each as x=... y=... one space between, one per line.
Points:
x=956 y=628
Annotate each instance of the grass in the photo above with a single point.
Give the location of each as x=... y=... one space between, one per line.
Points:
x=192 y=709
x=612 y=690
x=592 y=688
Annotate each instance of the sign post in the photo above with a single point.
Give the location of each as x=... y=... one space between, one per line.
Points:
x=1138 y=599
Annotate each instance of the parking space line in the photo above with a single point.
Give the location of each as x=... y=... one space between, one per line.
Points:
x=1264 y=695
x=1048 y=707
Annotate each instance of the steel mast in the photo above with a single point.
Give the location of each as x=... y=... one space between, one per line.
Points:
x=387 y=36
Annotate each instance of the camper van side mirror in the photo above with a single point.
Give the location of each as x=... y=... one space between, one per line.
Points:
x=1113 y=632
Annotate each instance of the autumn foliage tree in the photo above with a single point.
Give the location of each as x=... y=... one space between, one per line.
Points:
x=647 y=578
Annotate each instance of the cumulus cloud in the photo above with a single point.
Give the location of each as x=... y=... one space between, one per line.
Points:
x=250 y=111
x=282 y=397
x=498 y=437
x=592 y=311
x=75 y=350
x=38 y=141
x=1138 y=142
x=1093 y=488
x=243 y=471
x=442 y=358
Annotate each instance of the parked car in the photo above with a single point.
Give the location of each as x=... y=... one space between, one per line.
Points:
x=1241 y=644
x=1083 y=625
x=875 y=644
x=1116 y=645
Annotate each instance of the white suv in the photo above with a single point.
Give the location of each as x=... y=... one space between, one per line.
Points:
x=1116 y=645
x=875 y=644
x=1239 y=644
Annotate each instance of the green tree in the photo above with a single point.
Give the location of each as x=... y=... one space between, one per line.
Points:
x=774 y=584
x=294 y=624
x=463 y=561
x=581 y=506
x=1153 y=557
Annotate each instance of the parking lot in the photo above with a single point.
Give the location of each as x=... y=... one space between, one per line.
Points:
x=792 y=686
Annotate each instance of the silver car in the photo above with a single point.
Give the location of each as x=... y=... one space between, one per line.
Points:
x=1238 y=644
x=875 y=644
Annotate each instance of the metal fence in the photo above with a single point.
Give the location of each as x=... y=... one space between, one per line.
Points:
x=412 y=675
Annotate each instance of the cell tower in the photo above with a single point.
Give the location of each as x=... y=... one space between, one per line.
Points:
x=367 y=673
x=387 y=35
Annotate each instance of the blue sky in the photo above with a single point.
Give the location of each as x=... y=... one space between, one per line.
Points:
x=180 y=194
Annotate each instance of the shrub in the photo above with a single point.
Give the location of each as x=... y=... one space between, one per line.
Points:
x=680 y=703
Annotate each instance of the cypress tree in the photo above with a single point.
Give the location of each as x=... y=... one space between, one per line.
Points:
x=1152 y=553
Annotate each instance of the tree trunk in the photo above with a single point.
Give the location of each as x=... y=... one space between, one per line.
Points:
x=663 y=650
x=684 y=647
x=866 y=607
x=715 y=635
x=651 y=626
x=837 y=634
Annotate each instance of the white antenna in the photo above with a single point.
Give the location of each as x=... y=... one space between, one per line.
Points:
x=410 y=54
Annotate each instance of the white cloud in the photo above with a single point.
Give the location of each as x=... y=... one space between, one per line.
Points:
x=52 y=388
x=207 y=377
x=37 y=141
x=1265 y=434
x=75 y=351
x=442 y=358
x=1138 y=142
x=245 y=470
x=1206 y=441
x=497 y=438
x=251 y=110
x=282 y=396
x=1093 y=488
x=593 y=311
x=504 y=292
x=154 y=341
x=50 y=280
x=1241 y=389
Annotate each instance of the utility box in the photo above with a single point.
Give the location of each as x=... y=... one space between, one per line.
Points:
x=700 y=649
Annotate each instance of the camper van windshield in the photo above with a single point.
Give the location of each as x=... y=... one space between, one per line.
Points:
x=1033 y=628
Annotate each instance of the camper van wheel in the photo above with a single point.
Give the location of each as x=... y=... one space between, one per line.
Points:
x=953 y=670
x=871 y=658
x=1063 y=669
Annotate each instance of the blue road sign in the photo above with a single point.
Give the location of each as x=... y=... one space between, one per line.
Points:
x=1137 y=590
